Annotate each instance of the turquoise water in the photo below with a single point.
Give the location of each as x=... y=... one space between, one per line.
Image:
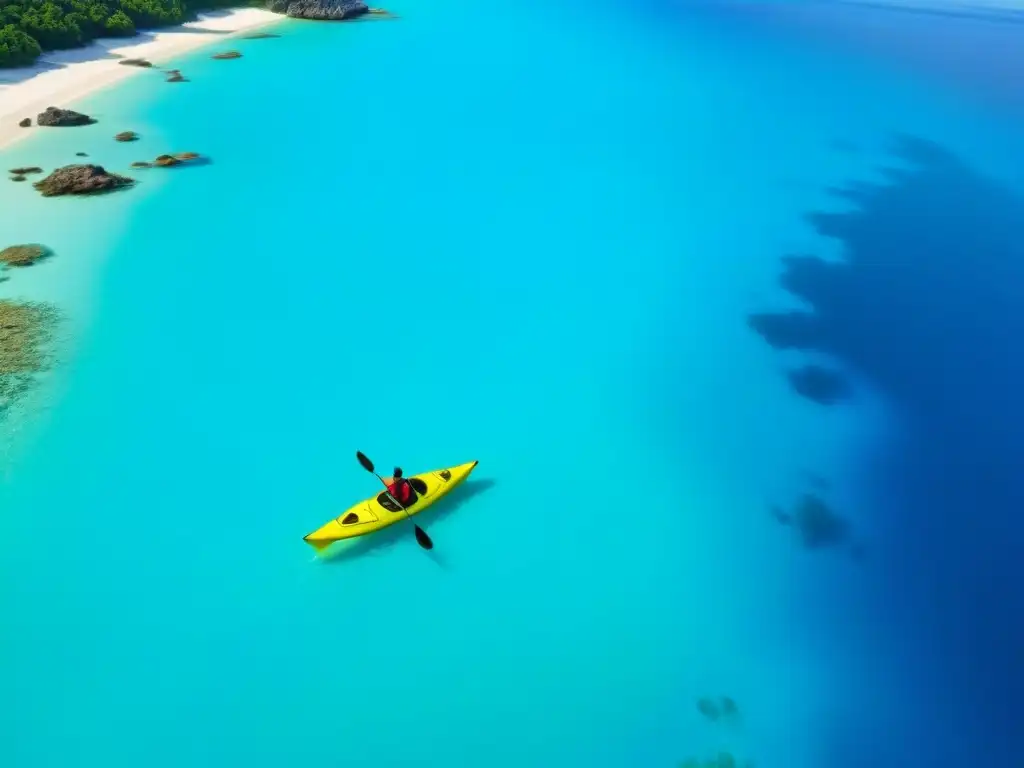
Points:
x=529 y=238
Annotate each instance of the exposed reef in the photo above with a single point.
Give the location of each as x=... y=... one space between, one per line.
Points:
x=81 y=180
x=62 y=118
x=127 y=136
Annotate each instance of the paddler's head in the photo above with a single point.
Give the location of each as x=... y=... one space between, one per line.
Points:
x=398 y=472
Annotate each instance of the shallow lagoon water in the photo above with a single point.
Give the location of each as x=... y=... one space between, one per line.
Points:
x=529 y=239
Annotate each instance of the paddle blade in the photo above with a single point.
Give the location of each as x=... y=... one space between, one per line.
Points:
x=422 y=538
x=367 y=464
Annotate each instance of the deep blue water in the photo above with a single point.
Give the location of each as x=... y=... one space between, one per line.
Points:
x=585 y=247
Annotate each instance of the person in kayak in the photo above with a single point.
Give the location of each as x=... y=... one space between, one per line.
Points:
x=402 y=489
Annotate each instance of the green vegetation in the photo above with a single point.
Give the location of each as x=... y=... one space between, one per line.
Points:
x=29 y=27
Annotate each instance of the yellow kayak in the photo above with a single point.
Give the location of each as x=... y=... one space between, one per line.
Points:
x=381 y=511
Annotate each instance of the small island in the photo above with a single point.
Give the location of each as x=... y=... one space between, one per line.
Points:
x=81 y=180
x=55 y=117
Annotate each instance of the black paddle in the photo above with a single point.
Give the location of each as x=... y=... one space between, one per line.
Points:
x=421 y=536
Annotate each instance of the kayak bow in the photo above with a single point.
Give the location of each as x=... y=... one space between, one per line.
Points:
x=381 y=511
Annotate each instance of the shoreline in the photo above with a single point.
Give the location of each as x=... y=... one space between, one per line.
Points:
x=60 y=78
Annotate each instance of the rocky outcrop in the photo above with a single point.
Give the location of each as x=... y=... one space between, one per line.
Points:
x=22 y=255
x=81 y=180
x=24 y=171
x=127 y=136
x=227 y=55
x=26 y=122
x=321 y=10
x=167 y=161
x=61 y=118
x=136 y=63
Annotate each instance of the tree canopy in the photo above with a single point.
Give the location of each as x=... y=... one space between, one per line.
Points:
x=28 y=27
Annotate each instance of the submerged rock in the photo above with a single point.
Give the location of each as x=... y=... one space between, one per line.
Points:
x=127 y=136
x=708 y=708
x=176 y=77
x=62 y=118
x=19 y=177
x=81 y=154
x=820 y=385
x=817 y=524
x=22 y=255
x=322 y=10
x=187 y=156
x=25 y=122
x=259 y=36
x=81 y=180
x=382 y=13
x=227 y=55
x=25 y=170
x=729 y=707
x=141 y=164
x=25 y=328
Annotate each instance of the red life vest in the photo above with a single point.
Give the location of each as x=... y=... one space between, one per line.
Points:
x=400 y=490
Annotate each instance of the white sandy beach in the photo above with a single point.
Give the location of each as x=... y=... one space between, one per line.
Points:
x=59 y=78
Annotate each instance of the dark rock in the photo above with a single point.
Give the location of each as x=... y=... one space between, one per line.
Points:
x=81 y=180
x=165 y=161
x=322 y=10
x=135 y=63
x=176 y=77
x=26 y=122
x=18 y=177
x=141 y=164
x=708 y=708
x=227 y=55
x=820 y=385
x=81 y=154
x=259 y=36
x=25 y=170
x=61 y=118
x=23 y=255
x=729 y=707
x=818 y=525
x=127 y=136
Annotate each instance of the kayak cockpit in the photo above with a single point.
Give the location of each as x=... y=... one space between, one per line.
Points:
x=385 y=500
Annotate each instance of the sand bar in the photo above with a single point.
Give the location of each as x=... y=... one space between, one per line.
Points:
x=59 y=78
